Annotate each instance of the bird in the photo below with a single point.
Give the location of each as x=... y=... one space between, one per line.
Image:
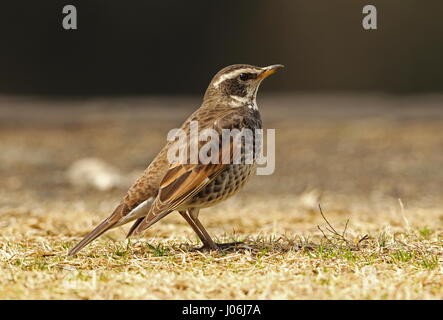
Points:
x=186 y=186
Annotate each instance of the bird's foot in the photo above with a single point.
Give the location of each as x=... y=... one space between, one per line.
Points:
x=219 y=246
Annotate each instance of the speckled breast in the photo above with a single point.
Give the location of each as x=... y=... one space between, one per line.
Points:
x=231 y=179
x=226 y=184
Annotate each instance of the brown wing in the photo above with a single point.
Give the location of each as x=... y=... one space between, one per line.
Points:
x=179 y=185
x=182 y=181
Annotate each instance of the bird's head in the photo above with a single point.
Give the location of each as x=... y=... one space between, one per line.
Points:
x=239 y=83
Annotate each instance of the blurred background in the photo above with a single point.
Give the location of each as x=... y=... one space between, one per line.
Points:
x=170 y=47
x=358 y=114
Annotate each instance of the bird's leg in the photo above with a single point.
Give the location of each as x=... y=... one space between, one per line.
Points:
x=208 y=243
x=194 y=227
x=191 y=217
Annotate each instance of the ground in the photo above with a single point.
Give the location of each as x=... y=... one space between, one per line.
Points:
x=372 y=162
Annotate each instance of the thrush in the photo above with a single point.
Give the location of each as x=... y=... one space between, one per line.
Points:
x=185 y=186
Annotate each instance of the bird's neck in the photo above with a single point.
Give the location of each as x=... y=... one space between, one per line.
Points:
x=232 y=101
x=249 y=102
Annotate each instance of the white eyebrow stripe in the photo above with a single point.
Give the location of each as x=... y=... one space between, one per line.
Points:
x=232 y=75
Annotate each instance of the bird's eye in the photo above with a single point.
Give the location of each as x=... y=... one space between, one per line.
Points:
x=244 y=76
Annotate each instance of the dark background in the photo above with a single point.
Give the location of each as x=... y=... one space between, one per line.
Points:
x=163 y=47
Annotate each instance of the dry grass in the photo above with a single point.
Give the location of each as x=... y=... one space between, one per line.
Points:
x=378 y=167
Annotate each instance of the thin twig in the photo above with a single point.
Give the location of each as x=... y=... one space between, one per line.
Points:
x=324 y=235
x=365 y=237
x=334 y=232
x=331 y=229
x=346 y=227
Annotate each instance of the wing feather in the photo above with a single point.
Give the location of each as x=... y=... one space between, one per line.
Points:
x=182 y=181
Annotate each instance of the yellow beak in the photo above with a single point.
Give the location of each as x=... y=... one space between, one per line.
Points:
x=267 y=71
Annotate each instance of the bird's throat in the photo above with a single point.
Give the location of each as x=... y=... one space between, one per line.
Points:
x=237 y=101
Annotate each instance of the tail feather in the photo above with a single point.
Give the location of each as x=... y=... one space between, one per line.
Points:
x=147 y=222
x=104 y=226
x=94 y=234
x=134 y=226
